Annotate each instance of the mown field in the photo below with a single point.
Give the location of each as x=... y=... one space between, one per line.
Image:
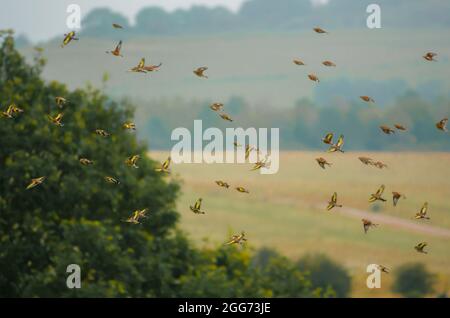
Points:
x=286 y=211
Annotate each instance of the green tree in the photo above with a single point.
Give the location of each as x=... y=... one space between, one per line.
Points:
x=413 y=280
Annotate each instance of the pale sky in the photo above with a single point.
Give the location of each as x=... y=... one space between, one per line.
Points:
x=42 y=19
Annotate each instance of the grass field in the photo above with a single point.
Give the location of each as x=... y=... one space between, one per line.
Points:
x=286 y=211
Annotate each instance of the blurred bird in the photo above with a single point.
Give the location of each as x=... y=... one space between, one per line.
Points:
x=152 y=68
x=338 y=145
x=226 y=117
x=400 y=127
x=197 y=207
x=102 y=133
x=35 y=182
x=419 y=247
x=117 y=26
x=380 y=165
x=429 y=56
x=57 y=120
x=60 y=101
x=329 y=64
x=313 y=78
x=248 y=150
x=320 y=30
x=68 y=38
x=328 y=139
x=140 y=67
x=222 y=184
x=298 y=62
x=129 y=125
x=261 y=164
x=132 y=161
x=322 y=162
x=333 y=202
x=111 y=180
x=367 y=99
x=136 y=217
x=378 y=195
x=237 y=239
x=387 y=130
x=242 y=190
x=442 y=125
x=397 y=196
x=199 y=71
x=383 y=269
x=116 y=51
x=422 y=214
x=367 y=224
x=216 y=107
x=11 y=110
x=236 y=145
x=165 y=166
x=366 y=160
x=86 y=162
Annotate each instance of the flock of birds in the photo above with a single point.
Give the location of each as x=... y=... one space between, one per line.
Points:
x=137 y=216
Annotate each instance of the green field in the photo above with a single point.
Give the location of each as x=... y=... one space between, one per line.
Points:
x=286 y=211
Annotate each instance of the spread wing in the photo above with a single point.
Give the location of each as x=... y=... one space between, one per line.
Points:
x=380 y=190
x=119 y=46
x=328 y=138
x=198 y=204
x=334 y=198
x=340 y=141
x=166 y=163
x=141 y=63
x=424 y=209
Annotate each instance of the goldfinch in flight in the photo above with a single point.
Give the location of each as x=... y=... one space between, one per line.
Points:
x=86 y=162
x=197 y=207
x=338 y=145
x=57 y=119
x=367 y=99
x=261 y=164
x=165 y=166
x=242 y=190
x=366 y=160
x=298 y=62
x=60 y=101
x=329 y=64
x=216 y=107
x=387 y=130
x=378 y=195
x=222 y=184
x=226 y=117
x=237 y=239
x=199 y=71
x=136 y=217
x=68 y=38
x=333 y=202
x=140 y=67
x=429 y=56
x=116 y=51
x=422 y=214
x=420 y=247
x=400 y=127
x=102 y=133
x=129 y=125
x=117 y=26
x=383 y=269
x=442 y=125
x=397 y=196
x=111 y=180
x=132 y=161
x=320 y=30
x=11 y=111
x=313 y=78
x=323 y=163
x=35 y=182
x=328 y=139
x=367 y=224
x=380 y=165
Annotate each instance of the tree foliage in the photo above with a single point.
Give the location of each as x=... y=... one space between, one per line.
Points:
x=413 y=280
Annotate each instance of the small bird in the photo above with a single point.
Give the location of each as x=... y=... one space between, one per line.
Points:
x=248 y=150
x=329 y=64
x=313 y=78
x=383 y=269
x=68 y=38
x=102 y=133
x=261 y=164
x=116 y=51
x=35 y=182
x=236 y=144
x=199 y=71
x=216 y=107
x=338 y=145
x=197 y=207
x=165 y=166
x=419 y=247
x=86 y=162
x=298 y=62
x=367 y=99
x=60 y=101
x=429 y=56
x=397 y=196
x=222 y=184
x=322 y=162
x=117 y=26
x=132 y=161
x=380 y=165
x=333 y=202
x=242 y=190
x=328 y=139
x=368 y=224
x=320 y=30
x=400 y=127
x=225 y=117
x=387 y=130
x=378 y=195
x=442 y=125
x=422 y=214
x=57 y=119
x=237 y=239
x=111 y=180
x=137 y=216
x=366 y=160
x=11 y=110
x=129 y=125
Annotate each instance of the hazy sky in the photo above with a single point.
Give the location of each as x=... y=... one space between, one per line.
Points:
x=41 y=19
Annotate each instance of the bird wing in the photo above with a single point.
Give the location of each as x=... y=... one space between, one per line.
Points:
x=340 y=141
x=328 y=138
x=166 y=163
x=334 y=198
x=424 y=209
x=198 y=204
x=380 y=190
x=141 y=63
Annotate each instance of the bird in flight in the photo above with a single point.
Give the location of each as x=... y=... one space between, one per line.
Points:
x=422 y=214
x=387 y=130
x=197 y=207
x=129 y=125
x=222 y=184
x=367 y=224
x=111 y=180
x=242 y=190
x=298 y=62
x=60 y=101
x=216 y=107
x=329 y=64
x=11 y=110
x=420 y=247
x=102 y=133
x=383 y=269
x=313 y=78
x=136 y=217
x=378 y=195
x=442 y=125
x=333 y=202
x=86 y=162
x=320 y=30
x=68 y=38
x=366 y=160
x=338 y=145
x=57 y=119
x=323 y=163
x=367 y=99
x=132 y=161
x=117 y=26
x=165 y=166
x=397 y=196
x=116 y=51
x=261 y=164
x=380 y=165
x=328 y=139
x=429 y=56
x=237 y=239
x=199 y=71
x=35 y=182
x=400 y=127
x=142 y=68
x=226 y=117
